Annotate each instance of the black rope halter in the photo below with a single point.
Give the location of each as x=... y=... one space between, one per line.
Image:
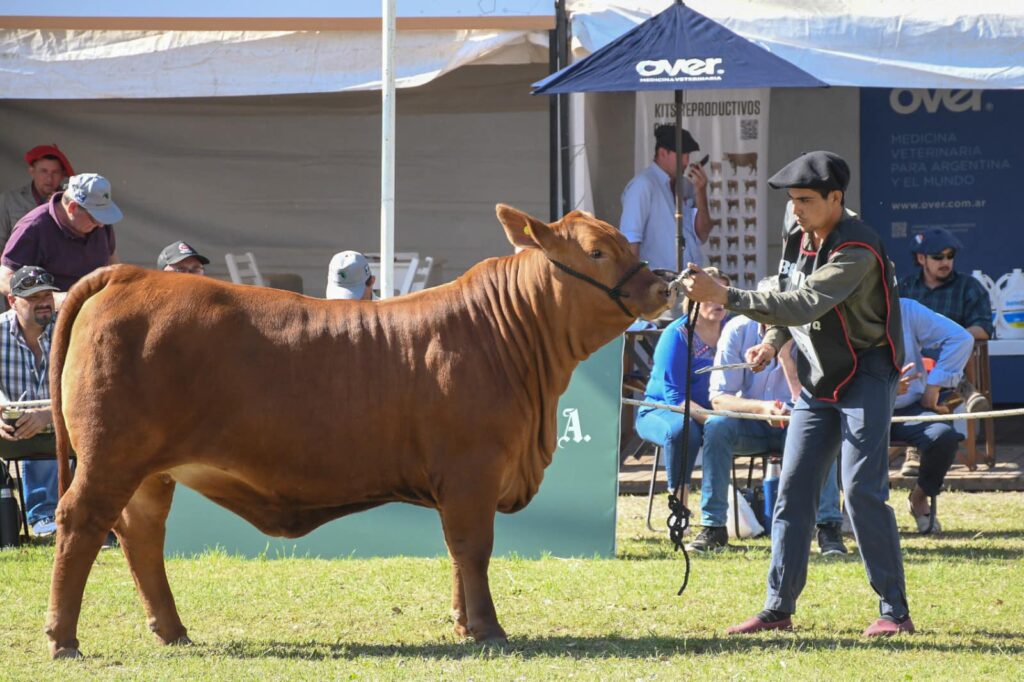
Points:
x=615 y=292
x=678 y=514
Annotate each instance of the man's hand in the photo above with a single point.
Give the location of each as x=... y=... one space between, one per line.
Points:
x=930 y=400
x=761 y=355
x=906 y=379
x=701 y=287
x=696 y=175
x=30 y=424
x=773 y=408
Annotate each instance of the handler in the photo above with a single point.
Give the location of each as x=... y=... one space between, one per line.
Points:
x=839 y=303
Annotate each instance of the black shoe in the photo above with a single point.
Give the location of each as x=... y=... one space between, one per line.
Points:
x=710 y=539
x=830 y=539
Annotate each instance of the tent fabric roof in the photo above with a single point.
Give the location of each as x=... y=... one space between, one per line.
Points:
x=677 y=48
x=93 y=64
x=865 y=43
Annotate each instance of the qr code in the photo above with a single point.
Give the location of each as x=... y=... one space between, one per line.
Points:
x=899 y=229
x=748 y=129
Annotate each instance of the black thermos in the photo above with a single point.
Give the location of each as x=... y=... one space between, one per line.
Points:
x=10 y=519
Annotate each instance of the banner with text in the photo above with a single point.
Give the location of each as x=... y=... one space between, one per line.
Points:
x=945 y=158
x=731 y=126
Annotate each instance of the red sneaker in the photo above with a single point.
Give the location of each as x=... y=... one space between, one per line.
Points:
x=886 y=628
x=755 y=624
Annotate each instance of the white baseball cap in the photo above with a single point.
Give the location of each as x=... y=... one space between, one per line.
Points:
x=347 y=275
x=92 y=192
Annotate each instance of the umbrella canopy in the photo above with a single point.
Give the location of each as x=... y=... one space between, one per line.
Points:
x=677 y=49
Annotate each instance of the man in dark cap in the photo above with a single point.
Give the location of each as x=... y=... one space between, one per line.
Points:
x=940 y=287
x=180 y=257
x=47 y=168
x=839 y=303
x=649 y=209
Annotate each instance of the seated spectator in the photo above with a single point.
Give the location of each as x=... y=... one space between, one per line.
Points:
x=349 y=277
x=768 y=392
x=959 y=297
x=69 y=236
x=47 y=168
x=180 y=257
x=667 y=385
x=25 y=333
x=924 y=329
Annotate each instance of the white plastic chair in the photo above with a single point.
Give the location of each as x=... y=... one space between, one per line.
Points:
x=243 y=270
x=410 y=273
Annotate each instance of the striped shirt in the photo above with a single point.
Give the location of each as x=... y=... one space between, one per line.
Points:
x=21 y=378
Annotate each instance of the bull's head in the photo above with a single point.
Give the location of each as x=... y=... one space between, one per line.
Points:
x=584 y=248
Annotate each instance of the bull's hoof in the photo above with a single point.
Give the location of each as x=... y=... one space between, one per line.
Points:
x=180 y=641
x=495 y=645
x=462 y=631
x=65 y=652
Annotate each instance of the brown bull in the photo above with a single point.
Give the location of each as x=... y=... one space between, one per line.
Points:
x=258 y=400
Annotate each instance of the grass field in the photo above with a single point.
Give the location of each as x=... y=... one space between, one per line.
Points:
x=383 y=619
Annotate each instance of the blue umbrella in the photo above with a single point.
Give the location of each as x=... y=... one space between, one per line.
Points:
x=678 y=48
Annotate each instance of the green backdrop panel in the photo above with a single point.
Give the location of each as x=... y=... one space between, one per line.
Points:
x=572 y=515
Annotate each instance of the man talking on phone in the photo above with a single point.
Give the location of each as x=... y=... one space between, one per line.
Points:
x=649 y=205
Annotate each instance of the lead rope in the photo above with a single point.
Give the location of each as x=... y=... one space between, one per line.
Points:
x=678 y=514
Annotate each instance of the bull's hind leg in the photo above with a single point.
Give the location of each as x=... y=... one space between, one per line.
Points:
x=141 y=531
x=469 y=532
x=85 y=514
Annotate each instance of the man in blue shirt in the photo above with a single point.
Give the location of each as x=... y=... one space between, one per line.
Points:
x=767 y=392
x=926 y=330
x=959 y=297
x=648 y=205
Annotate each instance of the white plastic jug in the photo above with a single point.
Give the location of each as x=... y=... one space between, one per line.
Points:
x=1010 y=310
x=993 y=293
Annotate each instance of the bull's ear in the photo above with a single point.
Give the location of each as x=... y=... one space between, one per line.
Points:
x=523 y=230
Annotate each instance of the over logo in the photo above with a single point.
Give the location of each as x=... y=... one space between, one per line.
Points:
x=573 y=430
x=653 y=68
x=955 y=101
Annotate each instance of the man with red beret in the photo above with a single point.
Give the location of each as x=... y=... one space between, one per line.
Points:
x=47 y=168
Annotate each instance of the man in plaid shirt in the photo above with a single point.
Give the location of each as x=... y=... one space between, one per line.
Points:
x=959 y=297
x=938 y=286
x=25 y=333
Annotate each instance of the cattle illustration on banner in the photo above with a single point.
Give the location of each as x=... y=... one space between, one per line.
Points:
x=731 y=127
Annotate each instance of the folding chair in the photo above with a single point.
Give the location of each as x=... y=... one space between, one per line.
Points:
x=41 y=446
x=243 y=270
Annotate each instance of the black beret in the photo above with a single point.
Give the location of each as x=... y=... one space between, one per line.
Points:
x=665 y=136
x=813 y=170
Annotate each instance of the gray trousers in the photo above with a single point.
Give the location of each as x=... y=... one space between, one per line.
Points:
x=857 y=429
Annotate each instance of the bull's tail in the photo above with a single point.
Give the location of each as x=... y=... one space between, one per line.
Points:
x=86 y=287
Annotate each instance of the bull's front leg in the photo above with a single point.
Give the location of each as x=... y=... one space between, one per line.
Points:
x=469 y=532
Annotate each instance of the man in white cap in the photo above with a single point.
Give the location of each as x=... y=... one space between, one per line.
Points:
x=349 y=277
x=69 y=236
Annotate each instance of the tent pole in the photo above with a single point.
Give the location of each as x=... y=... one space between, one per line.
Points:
x=553 y=180
x=680 y=239
x=562 y=27
x=387 y=158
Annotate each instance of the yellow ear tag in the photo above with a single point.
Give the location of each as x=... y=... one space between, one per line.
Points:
x=526 y=230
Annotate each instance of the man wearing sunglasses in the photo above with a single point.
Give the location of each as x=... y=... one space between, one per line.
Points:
x=25 y=333
x=961 y=298
x=940 y=287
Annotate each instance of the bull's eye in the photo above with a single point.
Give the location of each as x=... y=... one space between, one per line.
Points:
x=595 y=254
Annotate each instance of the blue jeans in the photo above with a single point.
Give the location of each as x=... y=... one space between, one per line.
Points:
x=937 y=441
x=857 y=428
x=39 y=481
x=665 y=428
x=725 y=437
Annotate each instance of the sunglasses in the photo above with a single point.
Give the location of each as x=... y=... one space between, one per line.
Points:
x=942 y=256
x=29 y=281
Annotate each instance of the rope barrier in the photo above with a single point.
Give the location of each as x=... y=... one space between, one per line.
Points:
x=25 y=404
x=990 y=414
